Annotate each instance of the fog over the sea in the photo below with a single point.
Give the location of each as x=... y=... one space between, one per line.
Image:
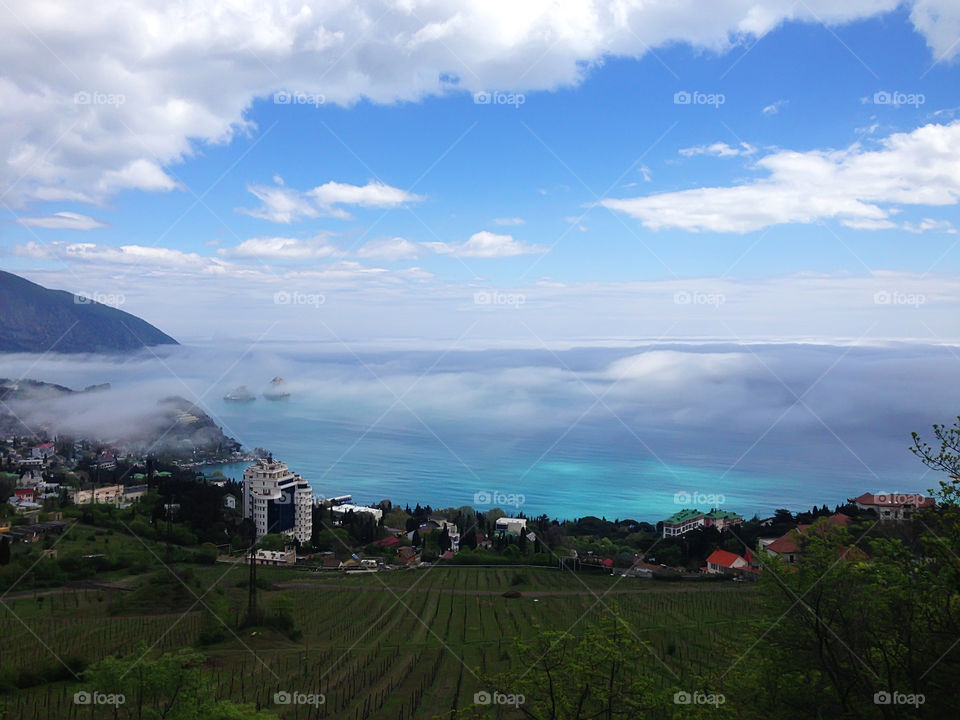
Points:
x=612 y=431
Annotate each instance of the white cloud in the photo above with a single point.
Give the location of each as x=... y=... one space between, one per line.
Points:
x=854 y=186
x=389 y=249
x=285 y=205
x=646 y=173
x=939 y=22
x=279 y=204
x=774 y=108
x=62 y=221
x=282 y=248
x=719 y=149
x=930 y=225
x=509 y=221
x=88 y=111
x=371 y=195
x=147 y=258
x=486 y=244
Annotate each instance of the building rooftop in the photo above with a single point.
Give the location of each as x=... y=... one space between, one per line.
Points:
x=894 y=499
x=722 y=515
x=683 y=516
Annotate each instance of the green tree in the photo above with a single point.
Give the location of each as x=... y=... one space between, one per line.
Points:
x=596 y=674
x=170 y=687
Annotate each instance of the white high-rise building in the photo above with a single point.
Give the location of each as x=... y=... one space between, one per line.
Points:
x=277 y=500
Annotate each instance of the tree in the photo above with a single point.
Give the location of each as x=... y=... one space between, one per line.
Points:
x=598 y=674
x=171 y=687
x=945 y=458
x=445 y=542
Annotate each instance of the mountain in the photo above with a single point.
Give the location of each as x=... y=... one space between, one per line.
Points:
x=171 y=425
x=35 y=319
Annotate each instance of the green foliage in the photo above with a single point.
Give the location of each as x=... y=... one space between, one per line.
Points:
x=596 y=673
x=170 y=687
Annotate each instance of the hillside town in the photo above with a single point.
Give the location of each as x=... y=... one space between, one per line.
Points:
x=274 y=511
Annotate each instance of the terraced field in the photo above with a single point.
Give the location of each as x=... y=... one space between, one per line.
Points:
x=402 y=644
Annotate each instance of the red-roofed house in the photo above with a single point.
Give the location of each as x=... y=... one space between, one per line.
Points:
x=42 y=451
x=389 y=541
x=723 y=561
x=788 y=546
x=893 y=506
x=25 y=494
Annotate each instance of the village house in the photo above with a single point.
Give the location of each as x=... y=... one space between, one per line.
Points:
x=511 y=526
x=893 y=506
x=109 y=494
x=287 y=556
x=728 y=563
x=682 y=522
x=338 y=511
x=787 y=546
x=42 y=451
x=721 y=519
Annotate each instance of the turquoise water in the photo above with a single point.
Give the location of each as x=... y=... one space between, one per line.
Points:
x=593 y=473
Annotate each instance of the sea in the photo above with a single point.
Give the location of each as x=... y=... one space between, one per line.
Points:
x=634 y=432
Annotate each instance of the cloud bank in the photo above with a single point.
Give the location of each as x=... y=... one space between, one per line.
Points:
x=88 y=112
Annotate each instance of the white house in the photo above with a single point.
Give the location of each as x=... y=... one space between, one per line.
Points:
x=893 y=506
x=340 y=510
x=511 y=526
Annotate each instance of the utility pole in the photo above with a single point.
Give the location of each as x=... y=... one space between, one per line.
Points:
x=252 y=594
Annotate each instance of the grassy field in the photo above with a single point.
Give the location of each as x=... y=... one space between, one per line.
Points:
x=400 y=644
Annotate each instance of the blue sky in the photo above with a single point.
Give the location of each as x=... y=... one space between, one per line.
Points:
x=796 y=172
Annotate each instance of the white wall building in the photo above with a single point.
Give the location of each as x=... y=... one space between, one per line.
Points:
x=277 y=500
x=511 y=526
x=340 y=510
